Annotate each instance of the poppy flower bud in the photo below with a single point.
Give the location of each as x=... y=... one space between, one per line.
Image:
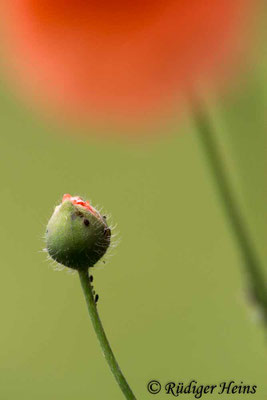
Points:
x=77 y=236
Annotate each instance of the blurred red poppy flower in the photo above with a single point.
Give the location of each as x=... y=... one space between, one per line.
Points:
x=119 y=58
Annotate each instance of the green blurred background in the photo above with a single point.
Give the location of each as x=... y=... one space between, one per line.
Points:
x=172 y=295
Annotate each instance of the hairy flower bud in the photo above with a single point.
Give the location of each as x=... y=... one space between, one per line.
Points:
x=77 y=235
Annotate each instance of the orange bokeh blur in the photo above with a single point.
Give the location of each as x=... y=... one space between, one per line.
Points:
x=117 y=58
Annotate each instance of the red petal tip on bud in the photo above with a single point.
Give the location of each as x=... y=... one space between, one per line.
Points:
x=76 y=200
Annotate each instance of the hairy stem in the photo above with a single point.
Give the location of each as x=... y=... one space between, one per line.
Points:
x=99 y=330
x=240 y=230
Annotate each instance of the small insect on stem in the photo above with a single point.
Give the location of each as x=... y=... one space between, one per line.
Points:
x=91 y=278
x=96 y=298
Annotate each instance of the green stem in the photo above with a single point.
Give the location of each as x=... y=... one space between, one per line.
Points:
x=240 y=230
x=111 y=360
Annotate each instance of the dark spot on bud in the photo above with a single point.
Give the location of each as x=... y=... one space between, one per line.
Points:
x=86 y=222
x=107 y=232
x=96 y=298
x=104 y=217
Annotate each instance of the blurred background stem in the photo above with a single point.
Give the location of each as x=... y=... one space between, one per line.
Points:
x=99 y=330
x=251 y=261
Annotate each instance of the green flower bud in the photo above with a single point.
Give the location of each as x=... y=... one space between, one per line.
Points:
x=77 y=236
